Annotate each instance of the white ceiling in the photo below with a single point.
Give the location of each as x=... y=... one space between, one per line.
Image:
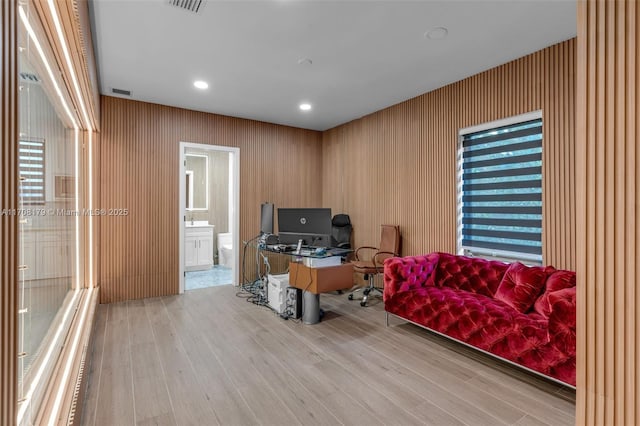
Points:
x=366 y=55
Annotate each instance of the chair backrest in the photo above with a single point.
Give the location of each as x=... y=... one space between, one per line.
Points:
x=341 y=231
x=389 y=242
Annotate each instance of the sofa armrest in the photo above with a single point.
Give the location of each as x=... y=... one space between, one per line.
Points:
x=408 y=273
x=562 y=320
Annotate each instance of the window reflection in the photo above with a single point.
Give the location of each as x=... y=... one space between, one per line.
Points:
x=47 y=225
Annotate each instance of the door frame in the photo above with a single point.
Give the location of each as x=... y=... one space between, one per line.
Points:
x=234 y=204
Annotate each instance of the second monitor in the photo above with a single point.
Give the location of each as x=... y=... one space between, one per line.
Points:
x=311 y=225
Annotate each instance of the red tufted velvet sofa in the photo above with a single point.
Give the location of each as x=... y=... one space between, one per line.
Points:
x=526 y=315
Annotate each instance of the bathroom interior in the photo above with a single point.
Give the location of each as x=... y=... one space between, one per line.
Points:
x=208 y=242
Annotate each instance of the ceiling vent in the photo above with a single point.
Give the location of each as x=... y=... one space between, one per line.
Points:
x=194 y=6
x=121 y=92
x=28 y=77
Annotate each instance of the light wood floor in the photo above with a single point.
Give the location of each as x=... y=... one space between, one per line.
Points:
x=209 y=357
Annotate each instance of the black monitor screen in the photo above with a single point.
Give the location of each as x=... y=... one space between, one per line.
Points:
x=266 y=218
x=308 y=224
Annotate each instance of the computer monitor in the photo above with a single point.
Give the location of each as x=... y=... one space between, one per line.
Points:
x=266 y=218
x=311 y=225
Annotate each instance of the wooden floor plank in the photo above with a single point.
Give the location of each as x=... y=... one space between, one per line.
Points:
x=149 y=382
x=95 y=366
x=435 y=414
x=440 y=356
x=187 y=397
x=436 y=370
x=224 y=397
x=368 y=369
x=530 y=404
x=209 y=357
x=115 y=405
x=230 y=350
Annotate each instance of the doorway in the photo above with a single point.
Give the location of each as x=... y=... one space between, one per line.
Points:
x=208 y=215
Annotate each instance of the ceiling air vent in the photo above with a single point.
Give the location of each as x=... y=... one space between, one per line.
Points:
x=121 y=92
x=29 y=77
x=194 y=6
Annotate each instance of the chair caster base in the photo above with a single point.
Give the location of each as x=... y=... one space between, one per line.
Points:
x=365 y=295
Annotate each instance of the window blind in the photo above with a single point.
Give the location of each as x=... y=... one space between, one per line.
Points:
x=31 y=168
x=501 y=196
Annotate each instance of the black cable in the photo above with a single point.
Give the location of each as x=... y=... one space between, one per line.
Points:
x=244 y=257
x=250 y=289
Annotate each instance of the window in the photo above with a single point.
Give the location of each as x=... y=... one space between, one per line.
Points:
x=500 y=189
x=31 y=168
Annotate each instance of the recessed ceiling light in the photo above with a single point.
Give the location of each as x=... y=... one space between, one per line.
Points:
x=305 y=107
x=201 y=84
x=437 y=33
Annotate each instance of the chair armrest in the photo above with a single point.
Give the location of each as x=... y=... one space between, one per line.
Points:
x=562 y=320
x=378 y=260
x=356 y=254
x=408 y=273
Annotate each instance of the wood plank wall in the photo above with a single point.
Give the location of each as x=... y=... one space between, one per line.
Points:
x=608 y=132
x=139 y=164
x=8 y=224
x=398 y=165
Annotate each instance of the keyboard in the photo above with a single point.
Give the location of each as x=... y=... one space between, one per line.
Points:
x=283 y=248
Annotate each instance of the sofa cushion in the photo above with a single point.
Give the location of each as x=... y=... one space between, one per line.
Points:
x=556 y=281
x=478 y=320
x=456 y=313
x=408 y=273
x=562 y=320
x=470 y=274
x=521 y=285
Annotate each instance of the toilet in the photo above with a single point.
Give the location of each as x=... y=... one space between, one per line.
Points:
x=225 y=249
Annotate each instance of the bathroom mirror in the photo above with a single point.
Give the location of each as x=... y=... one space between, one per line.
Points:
x=197 y=182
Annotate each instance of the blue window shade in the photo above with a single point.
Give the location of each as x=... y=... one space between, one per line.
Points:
x=31 y=169
x=501 y=203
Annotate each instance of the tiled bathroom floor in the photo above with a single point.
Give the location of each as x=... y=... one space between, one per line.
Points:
x=218 y=275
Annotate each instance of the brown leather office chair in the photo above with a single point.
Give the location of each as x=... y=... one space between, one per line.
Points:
x=389 y=247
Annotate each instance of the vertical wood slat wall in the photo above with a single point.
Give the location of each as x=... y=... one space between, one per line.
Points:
x=8 y=224
x=139 y=164
x=398 y=165
x=608 y=133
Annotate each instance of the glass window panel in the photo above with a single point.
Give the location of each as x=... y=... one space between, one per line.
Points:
x=495 y=194
x=48 y=254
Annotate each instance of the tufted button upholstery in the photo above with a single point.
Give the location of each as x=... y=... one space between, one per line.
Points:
x=407 y=273
x=469 y=273
x=454 y=296
x=562 y=320
x=521 y=285
x=556 y=281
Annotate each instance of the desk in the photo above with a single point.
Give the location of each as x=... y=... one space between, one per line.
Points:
x=314 y=281
x=320 y=280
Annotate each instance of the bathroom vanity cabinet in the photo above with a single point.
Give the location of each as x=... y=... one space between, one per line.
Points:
x=198 y=247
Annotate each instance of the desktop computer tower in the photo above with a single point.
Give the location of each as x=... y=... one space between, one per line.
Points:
x=285 y=300
x=293 y=304
x=277 y=292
